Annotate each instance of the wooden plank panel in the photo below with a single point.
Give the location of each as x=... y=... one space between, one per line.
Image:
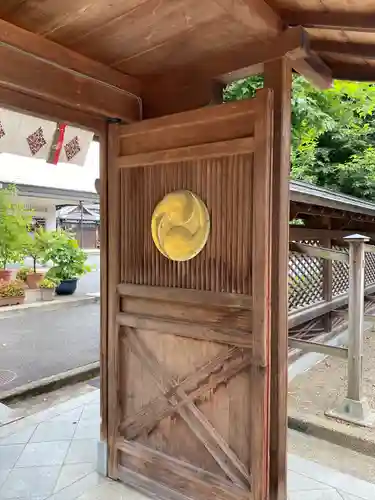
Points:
x=219 y=299
x=200 y=273
x=201 y=151
x=225 y=122
x=54 y=84
x=217 y=370
x=200 y=426
x=181 y=476
x=186 y=329
x=224 y=317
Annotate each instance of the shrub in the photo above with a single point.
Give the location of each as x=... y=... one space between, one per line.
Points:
x=12 y=289
x=47 y=283
x=23 y=272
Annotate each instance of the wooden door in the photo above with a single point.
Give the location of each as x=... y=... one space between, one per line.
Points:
x=188 y=348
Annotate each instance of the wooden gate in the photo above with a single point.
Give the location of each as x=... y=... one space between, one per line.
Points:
x=188 y=349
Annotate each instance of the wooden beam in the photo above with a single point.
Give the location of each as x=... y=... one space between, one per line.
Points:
x=353 y=72
x=299 y=233
x=185 y=91
x=54 y=53
x=328 y=350
x=201 y=151
x=59 y=75
x=53 y=111
x=319 y=252
x=314 y=70
x=337 y=20
x=366 y=50
x=278 y=77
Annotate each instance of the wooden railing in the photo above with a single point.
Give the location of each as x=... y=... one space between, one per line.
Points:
x=319 y=279
x=358 y=260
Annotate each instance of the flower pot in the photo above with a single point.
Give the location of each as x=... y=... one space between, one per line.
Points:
x=67 y=287
x=6 y=274
x=11 y=301
x=47 y=293
x=33 y=279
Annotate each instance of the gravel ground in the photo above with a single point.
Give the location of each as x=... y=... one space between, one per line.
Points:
x=324 y=386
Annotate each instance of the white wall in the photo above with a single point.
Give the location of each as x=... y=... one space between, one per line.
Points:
x=22 y=170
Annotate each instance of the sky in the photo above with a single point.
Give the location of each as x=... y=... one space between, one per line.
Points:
x=22 y=170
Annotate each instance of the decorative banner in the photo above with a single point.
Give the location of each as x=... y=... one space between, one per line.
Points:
x=180 y=225
x=26 y=135
x=75 y=145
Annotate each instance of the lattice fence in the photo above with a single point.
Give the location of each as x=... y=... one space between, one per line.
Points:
x=306 y=277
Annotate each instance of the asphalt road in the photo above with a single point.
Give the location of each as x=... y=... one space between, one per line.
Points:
x=39 y=343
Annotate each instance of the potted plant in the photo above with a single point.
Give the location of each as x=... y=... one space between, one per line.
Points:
x=69 y=262
x=47 y=288
x=35 y=247
x=11 y=293
x=14 y=225
x=22 y=273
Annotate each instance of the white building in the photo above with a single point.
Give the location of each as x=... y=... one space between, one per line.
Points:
x=43 y=186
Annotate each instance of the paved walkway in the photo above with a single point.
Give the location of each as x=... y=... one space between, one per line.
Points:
x=52 y=456
x=39 y=343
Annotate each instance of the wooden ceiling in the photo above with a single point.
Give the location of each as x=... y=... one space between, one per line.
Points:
x=100 y=56
x=143 y=37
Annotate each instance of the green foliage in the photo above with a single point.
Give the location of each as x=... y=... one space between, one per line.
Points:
x=15 y=221
x=333 y=134
x=69 y=260
x=12 y=289
x=23 y=272
x=37 y=244
x=47 y=283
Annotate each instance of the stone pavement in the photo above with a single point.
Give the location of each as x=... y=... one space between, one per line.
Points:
x=40 y=343
x=51 y=455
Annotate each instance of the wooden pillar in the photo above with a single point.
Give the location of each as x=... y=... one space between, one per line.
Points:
x=114 y=245
x=102 y=187
x=278 y=77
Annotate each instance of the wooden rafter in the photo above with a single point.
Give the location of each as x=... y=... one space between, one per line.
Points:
x=329 y=20
x=59 y=75
x=314 y=70
x=355 y=72
x=192 y=87
x=366 y=50
x=189 y=412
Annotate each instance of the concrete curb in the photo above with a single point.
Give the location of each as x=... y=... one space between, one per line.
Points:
x=333 y=431
x=52 y=383
x=9 y=311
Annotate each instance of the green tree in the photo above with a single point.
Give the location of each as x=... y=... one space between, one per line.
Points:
x=15 y=221
x=333 y=135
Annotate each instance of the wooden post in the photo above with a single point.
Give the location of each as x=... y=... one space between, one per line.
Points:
x=327 y=284
x=356 y=312
x=278 y=77
x=354 y=408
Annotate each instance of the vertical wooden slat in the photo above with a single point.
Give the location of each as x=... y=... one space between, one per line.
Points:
x=103 y=285
x=114 y=246
x=261 y=294
x=278 y=77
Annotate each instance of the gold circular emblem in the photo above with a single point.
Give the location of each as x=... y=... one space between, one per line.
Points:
x=180 y=225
